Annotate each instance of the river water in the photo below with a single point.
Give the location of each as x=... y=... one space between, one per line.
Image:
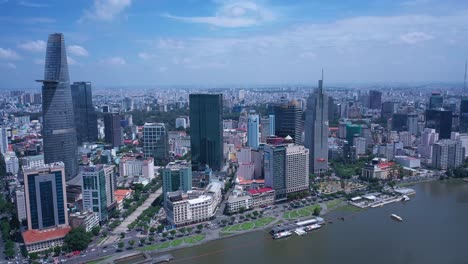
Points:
x=434 y=230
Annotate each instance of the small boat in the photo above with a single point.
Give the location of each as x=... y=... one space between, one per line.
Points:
x=405 y=198
x=282 y=235
x=465 y=179
x=300 y=231
x=396 y=217
x=312 y=227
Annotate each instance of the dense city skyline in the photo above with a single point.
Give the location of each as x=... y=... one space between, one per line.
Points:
x=135 y=43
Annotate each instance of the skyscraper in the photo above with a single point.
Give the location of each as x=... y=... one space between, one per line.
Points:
x=206 y=130
x=112 y=129
x=155 y=141
x=58 y=132
x=464 y=115
x=316 y=130
x=436 y=100
x=441 y=121
x=99 y=185
x=375 y=99
x=288 y=120
x=46 y=199
x=447 y=154
x=85 y=115
x=253 y=133
x=3 y=140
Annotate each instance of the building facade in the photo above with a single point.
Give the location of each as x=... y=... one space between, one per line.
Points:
x=206 y=133
x=155 y=141
x=137 y=166
x=447 y=154
x=176 y=176
x=441 y=121
x=253 y=131
x=288 y=120
x=375 y=99
x=99 y=185
x=58 y=131
x=316 y=130
x=87 y=220
x=113 y=130
x=85 y=115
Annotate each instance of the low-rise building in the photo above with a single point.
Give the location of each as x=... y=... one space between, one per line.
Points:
x=120 y=196
x=408 y=162
x=132 y=166
x=236 y=203
x=262 y=197
x=380 y=169
x=39 y=240
x=183 y=208
x=32 y=161
x=86 y=219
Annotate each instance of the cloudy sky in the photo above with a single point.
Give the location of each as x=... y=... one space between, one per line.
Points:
x=203 y=42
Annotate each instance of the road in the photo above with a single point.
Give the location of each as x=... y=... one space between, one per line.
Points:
x=123 y=227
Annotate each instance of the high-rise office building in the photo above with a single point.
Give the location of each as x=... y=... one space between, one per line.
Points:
x=441 y=121
x=428 y=137
x=412 y=124
x=464 y=115
x=316 y=130
x=46 y=199
x=112 y=129
x=447 y=154
x=58 y=131
x=99 y=185
x=176 y=176
x=3 y=140
x=388 y=109
x=400 y=122
x=267 y=127
x=288 y=120
x=206 y=130
x=20 y=200
x=253 y=133
x=155 y=141
x=436 y=100
x=85 y=115
x=286 y=169
x=375 y=99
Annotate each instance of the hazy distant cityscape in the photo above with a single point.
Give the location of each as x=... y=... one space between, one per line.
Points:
x=224 y=150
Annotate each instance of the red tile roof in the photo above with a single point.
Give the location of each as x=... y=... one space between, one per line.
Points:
x=386 y=165
x=259 y=191
x=34 y=236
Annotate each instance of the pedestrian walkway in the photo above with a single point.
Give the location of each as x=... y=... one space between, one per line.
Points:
x=123 y=227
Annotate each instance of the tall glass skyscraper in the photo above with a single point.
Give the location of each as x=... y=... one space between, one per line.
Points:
x=58 y=132
x=253 y=133
x=85 y=115
x=206 y=130
x=316 y=130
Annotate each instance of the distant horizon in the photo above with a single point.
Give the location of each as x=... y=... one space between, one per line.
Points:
x=230 y=42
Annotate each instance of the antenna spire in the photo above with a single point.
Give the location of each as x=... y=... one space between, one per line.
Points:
x=322 y=72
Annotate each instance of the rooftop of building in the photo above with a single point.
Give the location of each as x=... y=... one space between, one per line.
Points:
x=50 y=166
x=260 y=191
x=236 y=198
x=35 y=236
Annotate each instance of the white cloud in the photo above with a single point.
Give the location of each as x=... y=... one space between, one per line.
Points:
x=77 y=50
x=144 y=56
x=105 y=10
x=34 y=46
x=71 y=61
x=31 y=4
x=40 y=61
x=114 y=61
x=415 y=37
x=232 y=15
x=8 y=65
x=8 y=54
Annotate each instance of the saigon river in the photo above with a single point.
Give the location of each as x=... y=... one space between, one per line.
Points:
x=434 y=230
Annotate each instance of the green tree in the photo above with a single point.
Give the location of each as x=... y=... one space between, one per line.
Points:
x=122 y=235
x=77 y=239
x=317 y=210
x=200 y=227
x=33 y=256
x=96 y=230
x=173 y=232
x=142 y=240
x=131 y=243
x=121 y=245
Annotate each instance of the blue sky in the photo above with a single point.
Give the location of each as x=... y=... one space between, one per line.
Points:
x=194 y=42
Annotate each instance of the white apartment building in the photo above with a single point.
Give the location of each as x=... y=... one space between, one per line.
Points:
x=137 y=166
x=183 y=208
x=11 y=162
x=297 y=168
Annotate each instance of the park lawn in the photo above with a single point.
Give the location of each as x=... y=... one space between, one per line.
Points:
x=333 y=203
x=174 y=243
x=263 y=221
x=306 y=211
x=349 y=208
x=247 y=226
